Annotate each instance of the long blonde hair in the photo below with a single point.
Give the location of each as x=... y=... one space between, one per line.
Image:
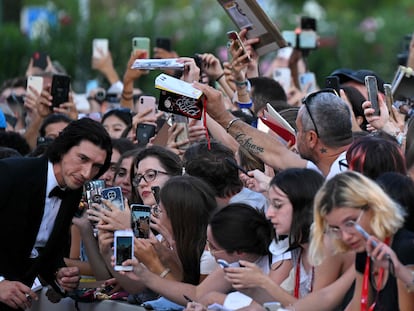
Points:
x=352 y=189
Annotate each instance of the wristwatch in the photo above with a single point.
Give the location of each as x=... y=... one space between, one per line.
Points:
x=2 y=278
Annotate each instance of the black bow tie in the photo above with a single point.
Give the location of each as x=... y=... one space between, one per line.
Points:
x=57 y=192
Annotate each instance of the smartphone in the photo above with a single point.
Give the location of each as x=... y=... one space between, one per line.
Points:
x=39 y=60
x=141 y=43
x=36 y=83
x=332 y=82
x=100 y=47
x=224 y=264
x=163 y=43
x=140 y=220
x=283 y=76
x=308 y=23
x=123 y=249
x=389 y=100
x=114 y=195
x=234 y=37
x=364 y=234
x=93 y=191
x=307 y=82
x=182 y=123
x=156 y=192
x=308 y=39
x=372 y=88
x=144 y=132
x=60 y=89
x=147 y=103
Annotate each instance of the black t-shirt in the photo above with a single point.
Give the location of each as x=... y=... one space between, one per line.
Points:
x=403 y=246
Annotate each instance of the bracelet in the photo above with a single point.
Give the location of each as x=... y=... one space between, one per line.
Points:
x=241 y=83
x=230 y=124
x=164 y=273
x=219 y=77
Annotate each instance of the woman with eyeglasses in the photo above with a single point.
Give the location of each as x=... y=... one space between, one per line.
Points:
x=358 y=216
x=153 y=166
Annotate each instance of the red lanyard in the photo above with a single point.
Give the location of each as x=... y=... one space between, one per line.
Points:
x=365 y=283
x=297 y=277
x=205 y=122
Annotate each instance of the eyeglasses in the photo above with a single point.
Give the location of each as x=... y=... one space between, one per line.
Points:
x=148 y=176
x=307 y=101
x=347 y=227
x=212 y=250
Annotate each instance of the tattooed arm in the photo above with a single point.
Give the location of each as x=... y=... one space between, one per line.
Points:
x=267 y=148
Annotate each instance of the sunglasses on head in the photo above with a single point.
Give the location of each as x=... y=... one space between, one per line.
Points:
x=307 y=101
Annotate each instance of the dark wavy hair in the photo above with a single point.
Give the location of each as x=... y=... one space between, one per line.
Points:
x=188 y=202
x=76 y=132
x=210 y=165
x=300 y=185
x=240 y=227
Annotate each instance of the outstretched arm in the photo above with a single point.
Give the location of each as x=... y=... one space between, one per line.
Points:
x=268 y=149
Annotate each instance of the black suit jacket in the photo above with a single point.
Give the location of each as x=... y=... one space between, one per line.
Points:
x=22 y=200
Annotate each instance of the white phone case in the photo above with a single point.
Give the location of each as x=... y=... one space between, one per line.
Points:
x=36 y=83
x=123 y=249
x=100 y=48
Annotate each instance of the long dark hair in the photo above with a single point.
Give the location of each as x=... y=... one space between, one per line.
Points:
x=300 y=185
x=188 y=202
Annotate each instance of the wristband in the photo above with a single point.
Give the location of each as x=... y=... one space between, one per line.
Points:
x=241 y=83
x=230 y=124
x=164 y=273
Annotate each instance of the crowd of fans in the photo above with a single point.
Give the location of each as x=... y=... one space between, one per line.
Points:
x=325 y=223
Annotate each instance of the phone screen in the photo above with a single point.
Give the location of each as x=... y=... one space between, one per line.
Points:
x=123 y=249
x=140 y=220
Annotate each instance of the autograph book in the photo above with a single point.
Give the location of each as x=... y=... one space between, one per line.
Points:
x=248 y=14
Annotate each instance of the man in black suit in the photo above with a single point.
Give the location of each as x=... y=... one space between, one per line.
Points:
x=35 y=214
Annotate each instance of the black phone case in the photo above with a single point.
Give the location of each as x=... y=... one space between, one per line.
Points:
x=60 y=89
x=332 y=82
x=39 y=60
x=144 y=133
